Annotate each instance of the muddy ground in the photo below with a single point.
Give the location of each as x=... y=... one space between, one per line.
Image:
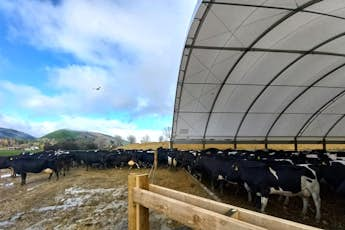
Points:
x=97 y=199
x=94 y=199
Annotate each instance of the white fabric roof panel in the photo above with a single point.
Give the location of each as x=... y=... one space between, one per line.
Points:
x=262 y=70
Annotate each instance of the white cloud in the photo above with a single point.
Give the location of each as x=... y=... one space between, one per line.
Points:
x=93 y=30
x=131 y=49
x=110 y=127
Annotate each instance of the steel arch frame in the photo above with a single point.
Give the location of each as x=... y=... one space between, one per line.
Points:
x=269 y=29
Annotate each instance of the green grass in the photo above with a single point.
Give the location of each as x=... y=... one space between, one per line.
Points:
x=10 y=152
x=63 y=134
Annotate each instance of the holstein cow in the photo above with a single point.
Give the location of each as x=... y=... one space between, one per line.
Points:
x=216 y=169
x=334 y=175
x=23 y=166
x=286 y=180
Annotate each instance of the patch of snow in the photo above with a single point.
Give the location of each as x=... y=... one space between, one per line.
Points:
x=76 y=197
x=5 y=223
x=8 y=184
x=11 y=220
x=77 y=190
x=6 y=175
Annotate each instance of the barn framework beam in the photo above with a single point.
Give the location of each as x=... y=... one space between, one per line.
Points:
x=280 y=74
x=272 y=7
x=317 y=112
x=259 y=113
x=319 y=140
x=266 y=50
x=333 y=126
x=260 y=85
x=202 y=19
x=222 y=56
x=262 y=35
x=329 y=73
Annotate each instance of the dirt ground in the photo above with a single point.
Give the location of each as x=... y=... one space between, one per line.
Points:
x=94 y=199
x=97 y=199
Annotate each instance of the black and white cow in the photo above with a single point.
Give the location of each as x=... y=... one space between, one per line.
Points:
x=334 y=175
x=286 y=180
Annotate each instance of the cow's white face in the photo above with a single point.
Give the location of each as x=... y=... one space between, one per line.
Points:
x=48 y=171
x=131 y=163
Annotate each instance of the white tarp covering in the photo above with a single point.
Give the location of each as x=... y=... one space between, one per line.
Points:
x=263 y=70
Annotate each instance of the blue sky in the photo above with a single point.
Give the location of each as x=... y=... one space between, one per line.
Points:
x=53 y=54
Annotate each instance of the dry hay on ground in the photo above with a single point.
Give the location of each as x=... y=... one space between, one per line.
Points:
x=155 y=145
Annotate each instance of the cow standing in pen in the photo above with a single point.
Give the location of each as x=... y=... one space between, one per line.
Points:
x=23 y=166
x=286 y=180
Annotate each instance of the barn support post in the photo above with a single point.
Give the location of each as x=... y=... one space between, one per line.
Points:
x=203 y=144
x=296 y=145
x=171 y=145
x=138 y=215
x=266 y=144
x=324 y=145
x=235 y=144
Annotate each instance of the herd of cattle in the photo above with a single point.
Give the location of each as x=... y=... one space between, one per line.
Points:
x=260 y=173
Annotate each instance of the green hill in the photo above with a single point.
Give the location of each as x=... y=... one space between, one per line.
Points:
x=63 y=134
x=71 y=139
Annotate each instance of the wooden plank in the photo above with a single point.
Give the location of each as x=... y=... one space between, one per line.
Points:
x=155 y=162
x=190 y=215
x=131 y=204
x=209 y=192
x=255 y=218
x=142 y=213
x=201 y=202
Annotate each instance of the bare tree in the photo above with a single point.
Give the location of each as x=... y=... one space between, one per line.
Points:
x=145 y=139
x=131 y=139
x=118 y=141
x=167 y=133
x=161 y=138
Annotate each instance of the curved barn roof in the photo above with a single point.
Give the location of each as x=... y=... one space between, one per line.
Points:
x=263 y=71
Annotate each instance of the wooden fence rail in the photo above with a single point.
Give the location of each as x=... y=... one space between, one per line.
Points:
x=193 y=211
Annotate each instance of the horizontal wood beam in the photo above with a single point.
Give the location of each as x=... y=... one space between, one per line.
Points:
x=255 y=218
x=189 y=215
x=201 y=202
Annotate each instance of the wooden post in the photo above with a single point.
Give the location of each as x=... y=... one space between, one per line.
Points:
x=131 y=205
x=138 y=216
x=155 y=162
x=142 y=213
x=296 y=146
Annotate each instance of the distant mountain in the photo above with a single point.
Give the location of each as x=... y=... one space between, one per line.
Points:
x=14 y=134
x=82 y=139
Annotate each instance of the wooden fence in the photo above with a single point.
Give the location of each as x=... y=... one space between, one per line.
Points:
x=193 y=211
